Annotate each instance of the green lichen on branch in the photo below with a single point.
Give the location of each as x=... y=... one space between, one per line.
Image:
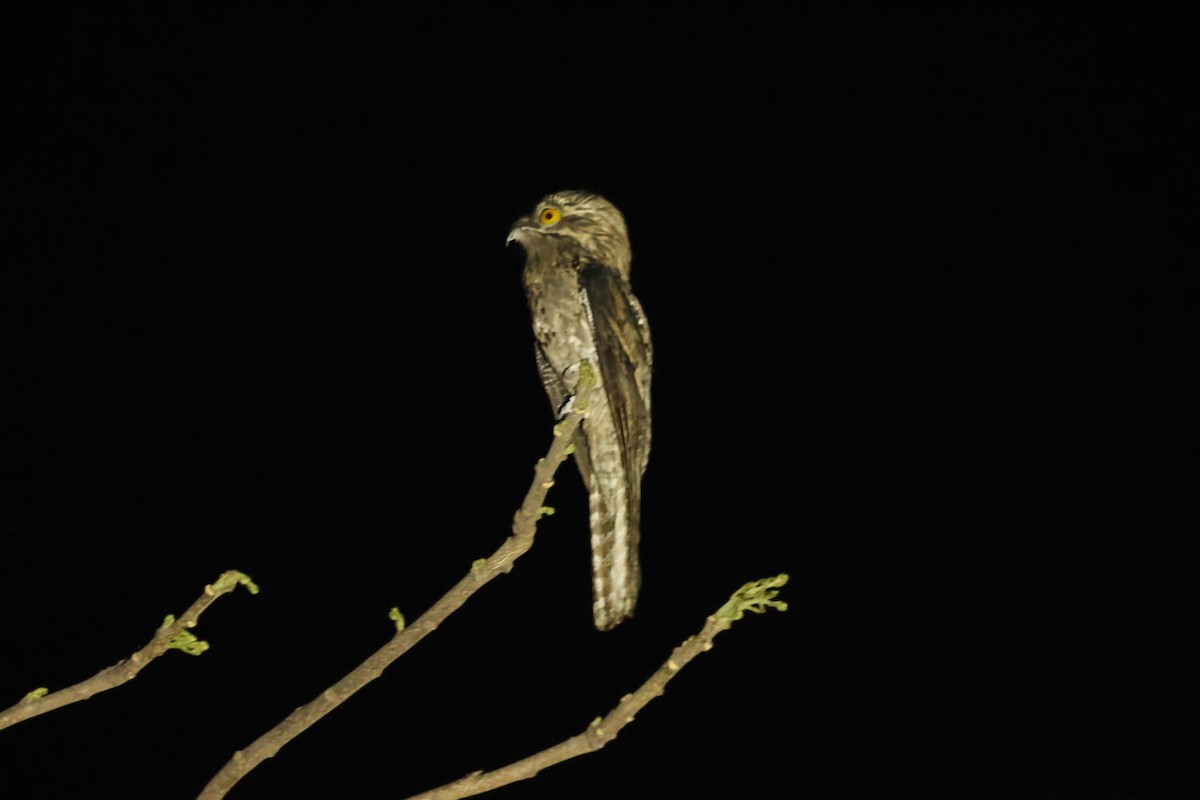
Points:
x=233 y=578
x=185 y=640
x=587 y=375
x=756 y=596
x=395 y=616
x=587 y=381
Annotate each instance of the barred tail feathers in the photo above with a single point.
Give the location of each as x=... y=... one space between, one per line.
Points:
x=614 y=499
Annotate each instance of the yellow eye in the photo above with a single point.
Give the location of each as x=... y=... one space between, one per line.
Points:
x=549 y=216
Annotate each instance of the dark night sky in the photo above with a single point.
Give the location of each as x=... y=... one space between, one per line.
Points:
x=917 y=344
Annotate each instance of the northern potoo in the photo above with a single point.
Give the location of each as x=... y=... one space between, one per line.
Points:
x=577 y=283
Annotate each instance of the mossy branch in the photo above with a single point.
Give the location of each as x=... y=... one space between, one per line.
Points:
x=755 y=596
x=173 y=634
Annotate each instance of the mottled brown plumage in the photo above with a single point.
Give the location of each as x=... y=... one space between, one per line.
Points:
x=577 y=283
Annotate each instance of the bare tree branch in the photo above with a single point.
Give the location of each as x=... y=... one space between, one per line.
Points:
x=756 y=596
x=174 y=634
x=482 y=571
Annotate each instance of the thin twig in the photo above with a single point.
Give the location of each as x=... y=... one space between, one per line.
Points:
x=174 y=634
x=756 y=596
x=482 y=571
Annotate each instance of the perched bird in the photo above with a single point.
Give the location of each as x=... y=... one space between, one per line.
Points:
x=577 y=283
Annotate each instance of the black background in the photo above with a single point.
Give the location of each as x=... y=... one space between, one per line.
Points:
x=917 y=344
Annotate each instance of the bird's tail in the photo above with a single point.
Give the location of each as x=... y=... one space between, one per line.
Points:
x=614 y=497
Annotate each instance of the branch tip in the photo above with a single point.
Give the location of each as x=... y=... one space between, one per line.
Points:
x=756 y=596
x=173 y=634
x=232 y=579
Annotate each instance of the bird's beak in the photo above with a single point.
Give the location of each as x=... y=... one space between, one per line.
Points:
x=519 y=230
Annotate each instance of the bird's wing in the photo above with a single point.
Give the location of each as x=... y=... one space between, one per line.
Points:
x=623 y=349
x=614 y=443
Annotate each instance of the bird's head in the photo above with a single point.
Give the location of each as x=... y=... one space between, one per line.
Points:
x=581 y=217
